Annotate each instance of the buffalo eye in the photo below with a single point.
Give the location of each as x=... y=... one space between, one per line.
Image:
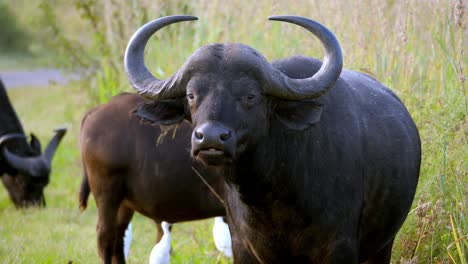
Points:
x=190 y=97
x=249 y=100
x=250 y=97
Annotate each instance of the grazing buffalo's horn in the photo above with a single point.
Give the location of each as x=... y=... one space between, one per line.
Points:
x=139 y=76
x=37 y=166
x=52 y=146
x=309 y=88
x=33 y=166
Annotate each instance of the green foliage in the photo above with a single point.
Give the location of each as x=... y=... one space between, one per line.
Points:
x=14 y=38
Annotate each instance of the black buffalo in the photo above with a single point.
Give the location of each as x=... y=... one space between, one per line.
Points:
x=320 y=164
x=130 y=165
x=23 y=168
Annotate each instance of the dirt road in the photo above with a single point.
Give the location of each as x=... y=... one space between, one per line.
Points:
x=36 y=78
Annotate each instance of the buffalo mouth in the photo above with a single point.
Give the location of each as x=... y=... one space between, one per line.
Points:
x=212 y=156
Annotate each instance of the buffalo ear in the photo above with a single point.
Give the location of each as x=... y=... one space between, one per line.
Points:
x=167 y=112
x=298 y=115
x=35 y=144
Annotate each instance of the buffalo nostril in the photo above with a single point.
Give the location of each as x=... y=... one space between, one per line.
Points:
x=198 y=135
x=225 y=136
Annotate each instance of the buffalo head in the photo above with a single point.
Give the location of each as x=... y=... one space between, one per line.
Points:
x=25 y=169
x=231 y=93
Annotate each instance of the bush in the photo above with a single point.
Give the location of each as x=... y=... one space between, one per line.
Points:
x=13 y=38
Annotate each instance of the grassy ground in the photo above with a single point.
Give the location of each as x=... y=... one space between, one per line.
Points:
x=417 y=48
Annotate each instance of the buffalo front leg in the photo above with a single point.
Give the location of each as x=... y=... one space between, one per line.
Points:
x=124 y=216
x=159 y=232
x=383 y=256
x=345 y=251
x=240 y=252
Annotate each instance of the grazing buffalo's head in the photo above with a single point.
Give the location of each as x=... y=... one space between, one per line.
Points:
x=230 y=92
x=25 y=169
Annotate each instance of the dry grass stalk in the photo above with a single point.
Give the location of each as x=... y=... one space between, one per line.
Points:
x=460 y=22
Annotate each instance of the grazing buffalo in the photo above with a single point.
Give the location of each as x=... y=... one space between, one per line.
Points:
x=130 y=165
x=23 y=168
x=320 y=164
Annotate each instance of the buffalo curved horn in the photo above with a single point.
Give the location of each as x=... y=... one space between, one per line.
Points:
x=315 y=86
x=29 y=165
x=53 y=144
x=138 y=74
x=36 y=166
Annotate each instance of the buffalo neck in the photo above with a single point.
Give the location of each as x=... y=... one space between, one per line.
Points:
x=260 y=174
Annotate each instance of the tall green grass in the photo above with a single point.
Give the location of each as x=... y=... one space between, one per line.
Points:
x=414 y=47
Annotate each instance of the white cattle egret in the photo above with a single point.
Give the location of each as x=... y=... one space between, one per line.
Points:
x=160 y=254
x=222 y=237
x=127 y=240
